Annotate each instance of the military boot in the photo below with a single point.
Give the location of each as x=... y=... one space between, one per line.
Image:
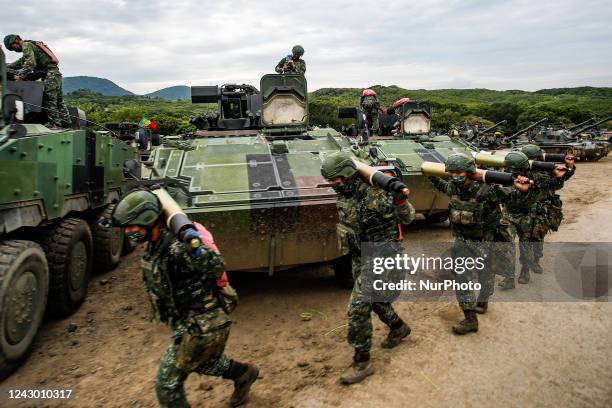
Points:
x=396 y=335
x=507 y=283
x=468 y=325
x=242 y=385
x=481 y=307
x=537 y=268
x=359 y=370
x=524 y=276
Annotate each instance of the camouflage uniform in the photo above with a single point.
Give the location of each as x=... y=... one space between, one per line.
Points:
x=475 y=217
x=182 y=294
x=368 y=216
x=371 y=105
x=299 y=66
x=35 y=62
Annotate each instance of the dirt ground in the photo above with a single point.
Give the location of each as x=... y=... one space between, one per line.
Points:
x=525 y=354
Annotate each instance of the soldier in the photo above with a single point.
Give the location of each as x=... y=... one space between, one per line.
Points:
x=474 y=218
x=367 y=214
x=184 y=294
x=524 y=212
x=547 y=213
x=293 y=63
x=38 y=61
x=369 y=103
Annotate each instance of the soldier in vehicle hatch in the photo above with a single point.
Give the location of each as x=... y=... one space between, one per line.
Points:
x=38 y=61
x=367 y=214
x=293 y=63
x=185 y=291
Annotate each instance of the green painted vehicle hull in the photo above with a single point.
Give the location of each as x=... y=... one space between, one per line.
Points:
x=55 y=185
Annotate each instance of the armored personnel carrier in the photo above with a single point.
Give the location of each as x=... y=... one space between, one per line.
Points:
x=251 y=174
x=412 y=144
x=54 y=186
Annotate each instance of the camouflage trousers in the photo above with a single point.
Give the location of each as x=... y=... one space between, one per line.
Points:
x=373 y=114
x=202 y=354
x=53 y=101
x=360 y=312
x=531 y=239
x=486 y=277
x=502 y=251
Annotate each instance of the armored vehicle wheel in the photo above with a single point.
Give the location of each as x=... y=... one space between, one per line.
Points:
x=343 y=272
x=68 y=246
x=24 y=285
x=437 y=217
x=108 y=243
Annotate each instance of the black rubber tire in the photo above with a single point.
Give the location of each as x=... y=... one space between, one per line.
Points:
x=66 y=290
x=343 y=272
x=108 y=242
x=23 y=269
x=438 y=217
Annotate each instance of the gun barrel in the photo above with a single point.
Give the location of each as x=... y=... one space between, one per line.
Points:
x=528 y=128
x=493 y=127
x=594 y=125
x=581 y=124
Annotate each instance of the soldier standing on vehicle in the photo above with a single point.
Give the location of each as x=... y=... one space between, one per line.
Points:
x=183 y=288
x=370 y=104
x=475 y=221
x=292 y=63
x=367 y=214
x=38 y=61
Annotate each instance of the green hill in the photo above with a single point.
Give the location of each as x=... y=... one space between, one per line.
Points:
x=172 y=92
x=98 y=85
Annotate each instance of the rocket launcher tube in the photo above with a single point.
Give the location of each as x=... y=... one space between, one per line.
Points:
x=489 y=160
x=484 y=176
x=374 y=177
x=177 y=222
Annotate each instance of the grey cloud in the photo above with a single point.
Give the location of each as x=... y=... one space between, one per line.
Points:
x=145 y=45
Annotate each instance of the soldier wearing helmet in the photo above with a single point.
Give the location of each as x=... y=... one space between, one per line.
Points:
x=544 y=208
x=367 y=214
x=371 y=106
x=184 y=293
x=38 y=61
x=475 y=218
x=292 y=63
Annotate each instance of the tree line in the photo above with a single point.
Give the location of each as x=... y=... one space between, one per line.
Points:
x=563 y=107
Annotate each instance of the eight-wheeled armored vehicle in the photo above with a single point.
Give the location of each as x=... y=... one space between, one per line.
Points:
x=54 y=186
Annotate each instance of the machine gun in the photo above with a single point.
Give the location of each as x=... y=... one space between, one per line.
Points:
x=594 y=125
x=490 y=128
x=525 y=130
x=581 y=124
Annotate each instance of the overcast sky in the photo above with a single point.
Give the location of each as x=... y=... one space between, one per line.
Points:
x=145 y=45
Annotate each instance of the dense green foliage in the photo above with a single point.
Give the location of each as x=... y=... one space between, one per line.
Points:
x=562 y=106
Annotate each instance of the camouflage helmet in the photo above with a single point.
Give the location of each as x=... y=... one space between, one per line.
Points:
x=297 y=50
x=137 y=208
x=9 y=39
x=532 y=151
x=516 y=161
x=459 y=162
x=338 y=164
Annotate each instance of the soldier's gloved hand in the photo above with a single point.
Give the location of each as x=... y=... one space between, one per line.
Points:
x=398 y=190
x=193 y=242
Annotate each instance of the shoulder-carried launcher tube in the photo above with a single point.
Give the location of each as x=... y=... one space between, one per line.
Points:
x=176 y=220
x=484 y=176
x=377 y=178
